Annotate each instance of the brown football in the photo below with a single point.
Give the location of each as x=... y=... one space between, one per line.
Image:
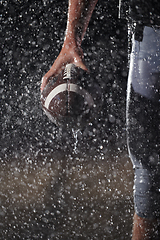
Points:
x=64 y=100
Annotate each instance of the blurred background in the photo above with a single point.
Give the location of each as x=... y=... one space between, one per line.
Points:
x=56 y=184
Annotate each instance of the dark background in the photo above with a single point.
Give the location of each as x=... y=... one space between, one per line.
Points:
x=50 y=190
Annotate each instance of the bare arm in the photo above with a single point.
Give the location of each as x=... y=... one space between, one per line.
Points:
x=79 y=14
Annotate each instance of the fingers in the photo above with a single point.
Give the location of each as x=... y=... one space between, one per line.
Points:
x=54 y=71
x=45 y=80
x=64 y=58
x=44 y=83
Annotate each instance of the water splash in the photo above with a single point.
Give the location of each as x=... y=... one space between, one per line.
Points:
x=75 y=135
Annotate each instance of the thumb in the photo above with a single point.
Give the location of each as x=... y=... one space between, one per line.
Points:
x=79 y=63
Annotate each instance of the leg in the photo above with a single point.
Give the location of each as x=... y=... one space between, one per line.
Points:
x=143 y=133
x=143 y=229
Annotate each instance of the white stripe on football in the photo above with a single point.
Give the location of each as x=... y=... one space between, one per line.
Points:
x=72 y=88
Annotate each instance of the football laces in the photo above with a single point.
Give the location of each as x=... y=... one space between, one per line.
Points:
x=68 y=71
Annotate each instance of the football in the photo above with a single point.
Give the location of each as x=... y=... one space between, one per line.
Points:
x=65 y=99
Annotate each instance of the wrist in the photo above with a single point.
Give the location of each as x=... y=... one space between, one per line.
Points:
x=71 y=40
x=74 y=32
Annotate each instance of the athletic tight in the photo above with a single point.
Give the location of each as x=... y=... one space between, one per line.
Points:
x=143 y=121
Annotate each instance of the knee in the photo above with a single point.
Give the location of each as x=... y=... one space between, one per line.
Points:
x=146 y=196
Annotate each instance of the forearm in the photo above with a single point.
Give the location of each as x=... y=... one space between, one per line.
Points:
x=79 y=14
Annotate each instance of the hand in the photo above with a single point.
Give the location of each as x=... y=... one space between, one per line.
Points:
x=70 y=53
